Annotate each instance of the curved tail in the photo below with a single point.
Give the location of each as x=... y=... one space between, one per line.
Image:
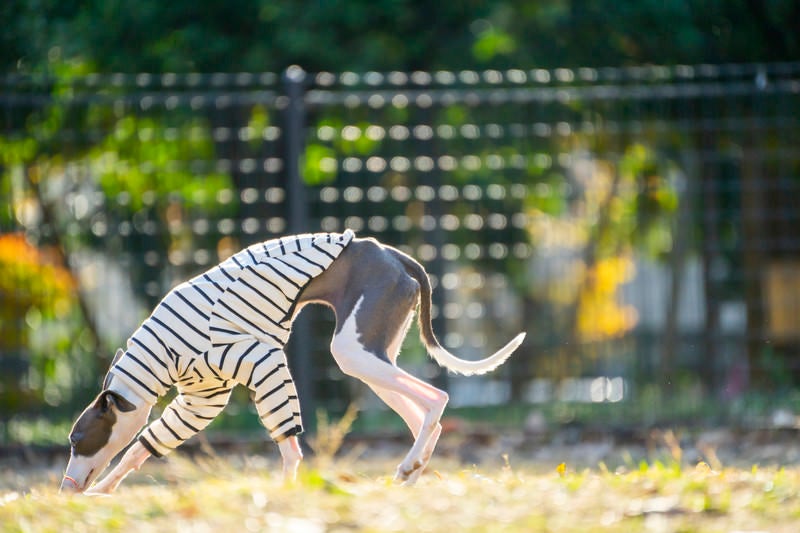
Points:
x=435 y=349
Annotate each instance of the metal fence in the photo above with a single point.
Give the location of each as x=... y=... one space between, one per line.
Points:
x=639 y=223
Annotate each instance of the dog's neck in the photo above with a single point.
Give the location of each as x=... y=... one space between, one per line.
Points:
x=122 y=388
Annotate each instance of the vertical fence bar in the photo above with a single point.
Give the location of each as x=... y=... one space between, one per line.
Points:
x=710 y=250
x=294 y=83
x=756 y=181
x=294 y=80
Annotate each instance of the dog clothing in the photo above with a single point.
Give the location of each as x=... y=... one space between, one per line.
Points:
x=225 y=327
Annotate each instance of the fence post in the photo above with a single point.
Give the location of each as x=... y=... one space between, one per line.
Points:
x=711 y=246
x=294 y=80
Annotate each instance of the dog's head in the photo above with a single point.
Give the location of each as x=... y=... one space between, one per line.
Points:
x=104 y=428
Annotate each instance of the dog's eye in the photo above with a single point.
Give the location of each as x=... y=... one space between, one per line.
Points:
x=75 y=438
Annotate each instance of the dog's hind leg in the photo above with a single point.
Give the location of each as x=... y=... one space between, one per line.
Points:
x=411 y=413
x=414 y=417
x=411 y=397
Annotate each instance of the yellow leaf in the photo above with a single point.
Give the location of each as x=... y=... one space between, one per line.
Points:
x=702 y=468
x=561 y=469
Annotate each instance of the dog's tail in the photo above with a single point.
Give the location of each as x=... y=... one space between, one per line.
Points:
x=435 y=349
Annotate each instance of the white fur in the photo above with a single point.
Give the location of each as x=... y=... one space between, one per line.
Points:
x=393 y=349
x=421 y=405
x=132 y=460
x=291 y=456
x=469 y=368
x=83 y=470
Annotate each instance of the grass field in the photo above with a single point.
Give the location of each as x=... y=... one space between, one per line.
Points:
x=240 y=493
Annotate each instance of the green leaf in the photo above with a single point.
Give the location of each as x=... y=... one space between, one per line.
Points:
x=319 y=165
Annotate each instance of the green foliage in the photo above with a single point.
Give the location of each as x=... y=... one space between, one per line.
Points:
x=491 y=43
x=547 y=195
x=259 y=120
x=384 y=35
x=641 y=213
x=144 y=155
x=320 y=164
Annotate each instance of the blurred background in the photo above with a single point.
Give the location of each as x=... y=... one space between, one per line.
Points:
x=619 y=179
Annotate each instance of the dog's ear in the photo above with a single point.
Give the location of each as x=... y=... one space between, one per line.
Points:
x=107 y=379
x=111 y=401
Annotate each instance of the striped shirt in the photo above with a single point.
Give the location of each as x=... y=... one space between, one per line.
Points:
x=225 y=327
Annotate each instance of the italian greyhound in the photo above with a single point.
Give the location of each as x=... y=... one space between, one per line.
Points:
x=373 y=289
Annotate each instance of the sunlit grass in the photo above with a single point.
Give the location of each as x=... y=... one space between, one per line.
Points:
x=246 y=493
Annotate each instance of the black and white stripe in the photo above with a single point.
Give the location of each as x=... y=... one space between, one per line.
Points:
x=225 y=327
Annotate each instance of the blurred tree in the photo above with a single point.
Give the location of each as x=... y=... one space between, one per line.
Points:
x=339 y=35
x=36 y=294
x=595 y=33
x=82 y=174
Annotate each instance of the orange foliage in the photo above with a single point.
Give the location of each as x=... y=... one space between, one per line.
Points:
x=31 y=277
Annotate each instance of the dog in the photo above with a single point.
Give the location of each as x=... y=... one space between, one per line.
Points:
x=229 y=325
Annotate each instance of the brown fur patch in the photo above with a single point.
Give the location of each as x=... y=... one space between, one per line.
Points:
x=93 y=428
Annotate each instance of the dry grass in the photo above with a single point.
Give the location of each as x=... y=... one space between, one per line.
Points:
x=246 y=494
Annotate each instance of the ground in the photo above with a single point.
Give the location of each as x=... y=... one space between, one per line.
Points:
x=560 y=487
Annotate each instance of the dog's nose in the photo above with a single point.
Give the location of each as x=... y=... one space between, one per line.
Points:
x=69 y=485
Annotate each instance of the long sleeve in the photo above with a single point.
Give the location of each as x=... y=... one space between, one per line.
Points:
x=187 y=414
x=275 y=396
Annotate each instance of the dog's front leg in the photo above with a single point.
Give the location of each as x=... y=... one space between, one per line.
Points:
x=291 y=456
x=132 y=460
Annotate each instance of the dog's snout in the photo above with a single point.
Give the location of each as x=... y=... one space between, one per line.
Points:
x=69 y=485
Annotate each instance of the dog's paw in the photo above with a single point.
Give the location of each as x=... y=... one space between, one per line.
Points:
x=408 y=474
x=96 y=494
x=102 y=488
